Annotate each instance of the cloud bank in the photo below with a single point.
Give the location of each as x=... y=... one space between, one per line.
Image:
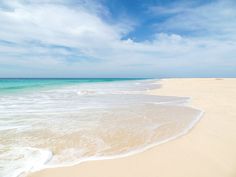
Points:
x=59 y=38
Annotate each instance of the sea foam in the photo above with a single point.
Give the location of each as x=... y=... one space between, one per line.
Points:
x=74 y=122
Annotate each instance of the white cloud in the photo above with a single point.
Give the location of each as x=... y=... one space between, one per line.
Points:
x=43 y=35
x=215 y=19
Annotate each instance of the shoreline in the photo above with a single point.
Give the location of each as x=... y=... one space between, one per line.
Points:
x=141 y=149
x=113 y=162
x=132 y=152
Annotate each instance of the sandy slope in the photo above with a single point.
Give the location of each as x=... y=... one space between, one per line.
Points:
x=209 y=150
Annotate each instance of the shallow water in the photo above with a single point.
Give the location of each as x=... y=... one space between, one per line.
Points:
x=62 y=122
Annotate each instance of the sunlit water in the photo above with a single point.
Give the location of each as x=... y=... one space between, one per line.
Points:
x=46 y=123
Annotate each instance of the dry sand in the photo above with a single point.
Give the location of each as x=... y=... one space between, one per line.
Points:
x=208 y=150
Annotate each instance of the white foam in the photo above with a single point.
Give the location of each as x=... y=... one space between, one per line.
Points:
x=18 y=160
x=3 y=128
x=48 y=110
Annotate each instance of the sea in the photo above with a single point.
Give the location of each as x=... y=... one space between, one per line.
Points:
x=47 y=123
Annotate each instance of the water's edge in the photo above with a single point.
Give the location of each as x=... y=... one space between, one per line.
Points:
x=131 y=152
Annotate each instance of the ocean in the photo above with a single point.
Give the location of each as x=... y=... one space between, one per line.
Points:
x=48 y=123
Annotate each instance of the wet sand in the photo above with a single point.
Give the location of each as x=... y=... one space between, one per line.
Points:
x=208 y=150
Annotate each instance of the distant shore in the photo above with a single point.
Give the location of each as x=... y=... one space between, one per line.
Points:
x=208 y=150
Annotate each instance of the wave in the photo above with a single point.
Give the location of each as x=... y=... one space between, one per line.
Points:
x=24 y=158
x=75 y=122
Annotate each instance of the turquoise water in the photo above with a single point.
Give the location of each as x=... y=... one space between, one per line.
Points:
x=22 y=85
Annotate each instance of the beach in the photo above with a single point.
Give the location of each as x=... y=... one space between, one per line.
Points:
x=208 y=150
x=50 y=123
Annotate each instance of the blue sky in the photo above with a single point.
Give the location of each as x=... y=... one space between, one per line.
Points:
x=117 y=38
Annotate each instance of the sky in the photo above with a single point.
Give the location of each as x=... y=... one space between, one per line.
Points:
x=117 y=38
